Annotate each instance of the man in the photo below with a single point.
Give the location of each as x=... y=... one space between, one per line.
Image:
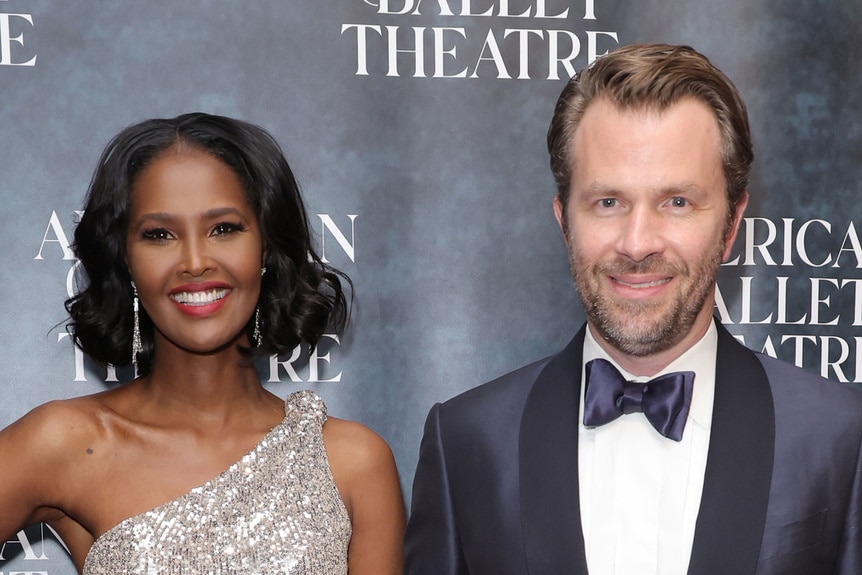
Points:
x=654 y=443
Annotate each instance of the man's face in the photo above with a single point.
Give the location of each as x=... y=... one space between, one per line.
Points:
x=646 y=223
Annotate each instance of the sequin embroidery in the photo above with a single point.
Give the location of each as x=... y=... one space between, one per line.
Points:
x=275 y=511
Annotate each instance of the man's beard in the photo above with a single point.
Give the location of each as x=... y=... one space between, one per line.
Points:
x=642 y=328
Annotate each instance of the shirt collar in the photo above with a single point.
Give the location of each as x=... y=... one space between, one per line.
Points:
x=699 y=358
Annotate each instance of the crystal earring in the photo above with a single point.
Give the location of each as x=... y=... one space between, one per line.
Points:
x=136 y=327
x=255 y=335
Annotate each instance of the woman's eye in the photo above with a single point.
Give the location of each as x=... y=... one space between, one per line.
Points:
x=156 y=234
x=225 y=228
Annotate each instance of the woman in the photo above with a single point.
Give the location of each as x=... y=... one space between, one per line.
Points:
x=196 y=249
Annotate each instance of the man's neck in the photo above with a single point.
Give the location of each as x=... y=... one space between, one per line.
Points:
x=650 y=365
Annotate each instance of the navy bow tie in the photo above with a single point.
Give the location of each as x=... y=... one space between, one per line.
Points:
x=664 y=400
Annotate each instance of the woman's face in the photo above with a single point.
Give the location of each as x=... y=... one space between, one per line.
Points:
x=194 y=250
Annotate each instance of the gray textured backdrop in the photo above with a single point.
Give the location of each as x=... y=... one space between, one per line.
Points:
x=459 y=268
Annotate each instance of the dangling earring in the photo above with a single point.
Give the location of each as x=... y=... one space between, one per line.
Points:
x=136 y=327
x=255 y=335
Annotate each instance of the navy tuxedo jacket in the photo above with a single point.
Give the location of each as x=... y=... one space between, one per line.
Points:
x=496 y=487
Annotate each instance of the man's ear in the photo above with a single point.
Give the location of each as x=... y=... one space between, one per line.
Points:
x=734 y=225
x=560 y=214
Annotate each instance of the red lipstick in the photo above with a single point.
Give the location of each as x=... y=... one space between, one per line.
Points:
x=200 y=299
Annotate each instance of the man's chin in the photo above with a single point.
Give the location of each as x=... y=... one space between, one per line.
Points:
x=639 y=345
x=636 y=335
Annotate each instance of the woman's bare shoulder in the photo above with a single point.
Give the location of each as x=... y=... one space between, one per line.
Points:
x=47 y=445
x=56 y=427
x=354 y=447
x=364 y=471
x=361 y=461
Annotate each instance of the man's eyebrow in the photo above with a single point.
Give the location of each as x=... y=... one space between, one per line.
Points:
x=598 y=189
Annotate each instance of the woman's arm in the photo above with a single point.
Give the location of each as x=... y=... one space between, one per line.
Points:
x=27 y=449
x=40 y=472
x=365 y=474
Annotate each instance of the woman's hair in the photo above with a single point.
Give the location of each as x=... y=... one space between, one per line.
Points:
x=300 y=296
x=654 y=77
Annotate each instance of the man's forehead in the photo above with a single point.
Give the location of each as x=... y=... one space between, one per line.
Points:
x=605 y=121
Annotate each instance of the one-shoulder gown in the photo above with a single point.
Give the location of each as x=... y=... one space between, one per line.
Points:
x=275 y=511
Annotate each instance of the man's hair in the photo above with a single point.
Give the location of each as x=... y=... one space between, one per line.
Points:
x=654 y=77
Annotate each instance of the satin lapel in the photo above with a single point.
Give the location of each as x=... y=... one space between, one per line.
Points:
x=732 y=514
x=548 y=459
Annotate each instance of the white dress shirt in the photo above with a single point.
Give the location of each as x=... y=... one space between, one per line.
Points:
x=639 y=491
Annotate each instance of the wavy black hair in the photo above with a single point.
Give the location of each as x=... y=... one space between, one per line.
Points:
x=300 y=296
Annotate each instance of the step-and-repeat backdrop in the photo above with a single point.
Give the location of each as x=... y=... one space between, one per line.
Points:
x=416 y=129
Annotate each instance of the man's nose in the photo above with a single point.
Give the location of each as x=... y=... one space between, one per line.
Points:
x=641 y=234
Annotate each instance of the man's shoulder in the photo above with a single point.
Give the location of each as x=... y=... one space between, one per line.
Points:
x=488 y=414
x=800 y=386
x=510 y=388
x=791 y=384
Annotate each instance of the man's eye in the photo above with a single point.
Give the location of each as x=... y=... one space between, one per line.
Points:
x=608 y=202
x=678 y=202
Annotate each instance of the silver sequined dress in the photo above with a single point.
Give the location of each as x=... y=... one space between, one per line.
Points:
x=276 y=510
